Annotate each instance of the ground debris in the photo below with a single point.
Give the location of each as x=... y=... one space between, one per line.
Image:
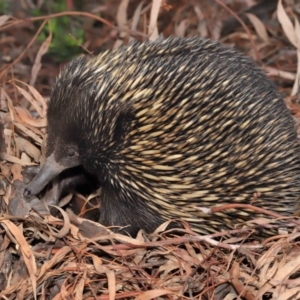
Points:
x=48 y=252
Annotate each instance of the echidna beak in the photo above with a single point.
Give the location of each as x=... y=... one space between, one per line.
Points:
x=48 y=172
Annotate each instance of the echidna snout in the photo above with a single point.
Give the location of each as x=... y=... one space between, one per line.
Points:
x=172 y=125
x=64 y=158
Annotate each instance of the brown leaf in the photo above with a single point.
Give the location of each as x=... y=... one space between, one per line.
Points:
x=153 y=294
x=153 y=31
x=259 y=27
x=27 y=253
x=37 y=63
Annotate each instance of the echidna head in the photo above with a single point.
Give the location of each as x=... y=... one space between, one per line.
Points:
x=61 y=155
x=85 y=126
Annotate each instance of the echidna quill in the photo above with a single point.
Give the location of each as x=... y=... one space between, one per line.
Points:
x=169 y=126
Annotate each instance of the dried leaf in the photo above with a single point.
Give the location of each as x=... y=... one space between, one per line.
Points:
x=181 y=28
x=33 y=101
x=122 y=21
x=26 y=118
x=259 y=27
x=66 y=224
x=37 y=63
x=29 y=133
x=57 y=257
x=78 y=291
x=29 y=148
x=287 y=294
x=3 y=19
x=287 y=25
x=153 y=294
x=16 y=170
x=111 y=279
x=14 y=159
x=27 y=253
x=39 y=98
x=153 y=30
x=295 y=89
x=136 y=18
x=285 y=271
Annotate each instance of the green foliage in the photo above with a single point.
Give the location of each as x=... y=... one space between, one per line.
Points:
x=4 y=7
x=67 y=33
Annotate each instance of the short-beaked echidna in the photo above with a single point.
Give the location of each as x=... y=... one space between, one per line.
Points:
x=172 y=125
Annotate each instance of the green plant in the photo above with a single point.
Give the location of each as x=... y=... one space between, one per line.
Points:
x=4 y=7
x=67 y=33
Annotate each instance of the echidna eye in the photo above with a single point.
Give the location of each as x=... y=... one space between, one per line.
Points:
x=71 y=153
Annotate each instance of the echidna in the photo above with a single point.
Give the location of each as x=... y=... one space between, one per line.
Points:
x=172 y=125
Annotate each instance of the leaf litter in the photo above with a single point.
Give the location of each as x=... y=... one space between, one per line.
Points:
x=49 y=252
